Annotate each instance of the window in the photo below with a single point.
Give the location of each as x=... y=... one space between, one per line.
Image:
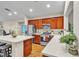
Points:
x=24 y=28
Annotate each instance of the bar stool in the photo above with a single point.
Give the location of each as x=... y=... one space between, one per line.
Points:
x=5 y=50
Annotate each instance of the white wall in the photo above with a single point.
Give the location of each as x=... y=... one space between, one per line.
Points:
x=70 y=17
x=26 y=20
x=9 y=25
x=76 y=18
x=65 y=22
x=66 y=7
x=68 y=14
x=70 y=20
x=12 y=25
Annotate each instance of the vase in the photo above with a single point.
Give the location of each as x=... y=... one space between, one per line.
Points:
x=72 y=49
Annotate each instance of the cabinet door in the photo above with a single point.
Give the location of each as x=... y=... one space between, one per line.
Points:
x=37 y=24
x=37 y=39
x=30 y=22
x=40 y=24
x=27 y=47
x=53 y=23
x=46 y=21
x=60 y=23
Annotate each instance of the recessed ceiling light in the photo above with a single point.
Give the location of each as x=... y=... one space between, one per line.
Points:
x=15 y=12
x=10 y=14
x=30 y=10
x=48 y=5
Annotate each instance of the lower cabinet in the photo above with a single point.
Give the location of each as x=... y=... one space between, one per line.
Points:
x=37 y=39
x=27 y=47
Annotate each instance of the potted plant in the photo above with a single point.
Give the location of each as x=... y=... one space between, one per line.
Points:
x=69 y=39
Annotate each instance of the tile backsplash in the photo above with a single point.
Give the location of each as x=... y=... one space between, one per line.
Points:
x=41 y=31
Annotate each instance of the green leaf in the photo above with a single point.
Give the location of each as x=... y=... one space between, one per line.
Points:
x=68 y=39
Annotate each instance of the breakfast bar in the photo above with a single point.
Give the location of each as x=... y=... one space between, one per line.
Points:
x=17 y=44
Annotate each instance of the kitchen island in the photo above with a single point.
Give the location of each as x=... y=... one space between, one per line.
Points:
x=56 y=49
x=18 y=43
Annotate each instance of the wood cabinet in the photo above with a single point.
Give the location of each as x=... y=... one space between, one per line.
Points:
x=46 y=21
x=55 y=22
x=27 y=47
x=60 y=22
x=30 y=22
x=36 y=24
x=40 y=24
x=37 y=39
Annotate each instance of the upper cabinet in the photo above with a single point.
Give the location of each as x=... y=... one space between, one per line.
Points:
x=55 y=22
x=40 y=24
x=36 y=24
x=60 y=22
x=31 y=22
x=46 y=21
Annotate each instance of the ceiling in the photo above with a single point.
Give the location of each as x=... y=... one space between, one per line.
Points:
x=22 y=8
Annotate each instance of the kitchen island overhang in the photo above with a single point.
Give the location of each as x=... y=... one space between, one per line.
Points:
x=17 y=44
